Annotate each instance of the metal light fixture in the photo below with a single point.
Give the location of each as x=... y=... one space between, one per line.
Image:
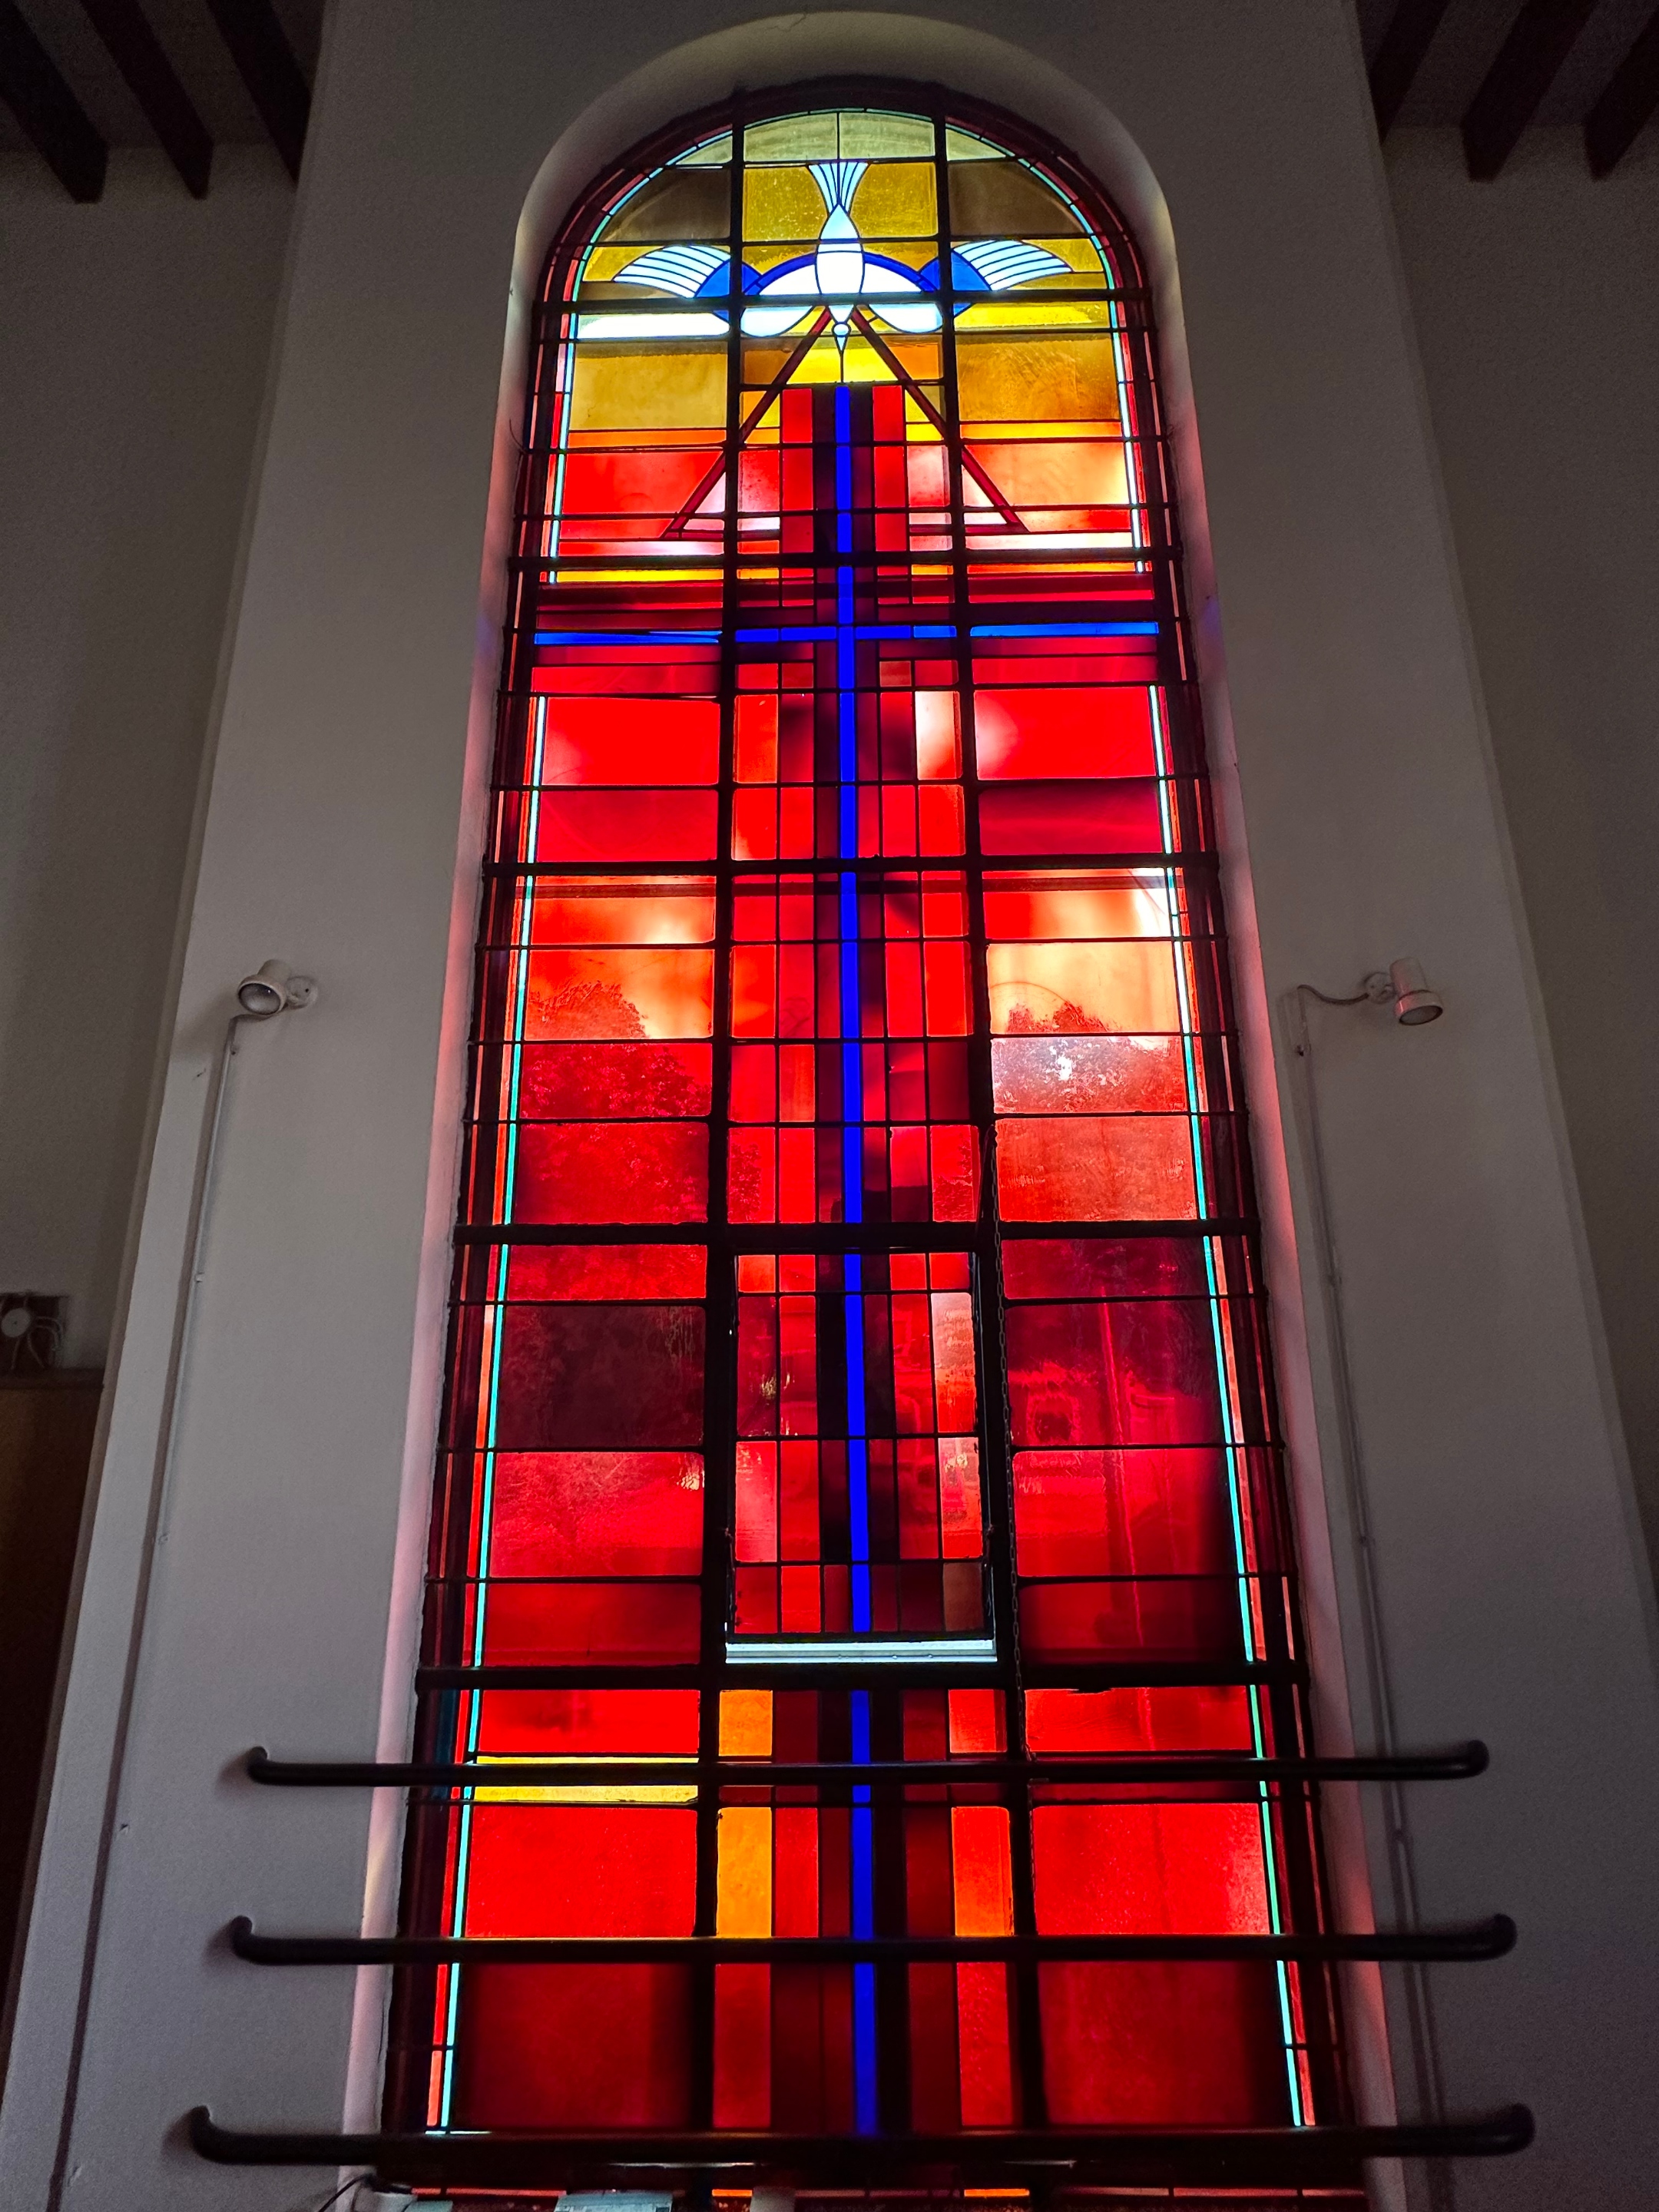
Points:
x=1414 y=1001
x=272 y=988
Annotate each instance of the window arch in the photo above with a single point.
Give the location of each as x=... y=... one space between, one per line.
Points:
x=859 y=1462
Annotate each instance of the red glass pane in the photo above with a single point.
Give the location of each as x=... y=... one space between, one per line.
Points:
x=660 y=741
x=581 y=1870
x=1063 y=732
x=1134 y=1371
x=1154 y=2045
x=1196 y=1717
x=600 y=1378
x=1132 y=1168
x=634 y=480
x=1152 y=1511
x=1183 y=1618
x=583 y=1172
x=596 y=1513
x=1067 y=1074
x=582 y=1273
x=1071 y=818
x=619 y=1081
x=626 y=825
x=568 y=1624
x=1104 y=1268
x=573 y=2047
x=588 y=1723
x=621 y=909
x=583 y=991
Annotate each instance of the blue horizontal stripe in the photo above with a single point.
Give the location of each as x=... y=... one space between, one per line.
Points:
x=627 y=637
x=820 y=633
x=1064 y=629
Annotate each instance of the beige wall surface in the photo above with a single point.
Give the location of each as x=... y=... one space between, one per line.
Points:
x=1536 y=303
x=134 y=337
x=276 y=1566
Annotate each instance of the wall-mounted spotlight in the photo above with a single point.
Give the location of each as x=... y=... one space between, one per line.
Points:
x=1404 y=983
x=1401 y=985
x=272 y=989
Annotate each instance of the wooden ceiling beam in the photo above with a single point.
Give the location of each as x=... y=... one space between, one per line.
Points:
x=136 y=52
x=276 y=83
x=1540 y=40
x=1629 y=99
x=52 y=118
x=1404 y=45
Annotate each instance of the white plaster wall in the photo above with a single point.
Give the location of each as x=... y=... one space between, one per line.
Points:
x=1536 y=302
x=343 y=835
x=134 y=337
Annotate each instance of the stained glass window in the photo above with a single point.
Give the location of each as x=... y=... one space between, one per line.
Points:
x=859 y=1442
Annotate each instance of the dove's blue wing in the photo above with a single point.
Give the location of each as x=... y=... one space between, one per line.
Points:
x=681 y=270
x=1006 y=262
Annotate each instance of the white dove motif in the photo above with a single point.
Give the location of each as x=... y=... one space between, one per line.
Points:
x=841 y=274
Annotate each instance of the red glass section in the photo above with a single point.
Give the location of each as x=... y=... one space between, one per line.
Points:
x=1156 y=2045
x=573 y=2047
x=622 y=1377
x=596 y=1172
x=624 y=1082
x=605 y=1513
x=1071 y=816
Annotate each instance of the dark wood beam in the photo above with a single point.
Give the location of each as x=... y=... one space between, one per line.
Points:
x=1631 y=95
x=1540 y=41
x=1404 y=45
x=136 y=52
x=276 y=83
x=50 y=115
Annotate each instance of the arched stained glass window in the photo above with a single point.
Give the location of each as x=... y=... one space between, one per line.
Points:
x=859 y=1528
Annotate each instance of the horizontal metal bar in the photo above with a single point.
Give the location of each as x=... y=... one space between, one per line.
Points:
x=833 y=1237
x=905 y=867
x=1454 y=1765
x=1124 y=2155
x=1467 y=1941
x=1110 y=1675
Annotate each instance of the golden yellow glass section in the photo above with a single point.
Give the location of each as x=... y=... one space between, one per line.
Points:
x=630 y=388
x=745 y=1724
x=1057 y=379
x=743 y=1897
x=896 y=199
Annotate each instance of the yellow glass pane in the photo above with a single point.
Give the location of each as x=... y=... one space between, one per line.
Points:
x=745 y=1724
x=620 y=1793
x=896 y=199
x=1067 y=380
x=1011 y=312
x=781 y=205
x=983 y=1873
x=630 y=388
x=743 y=1899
